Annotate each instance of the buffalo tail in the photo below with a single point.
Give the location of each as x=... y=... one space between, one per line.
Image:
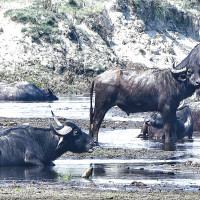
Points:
x=91 y=108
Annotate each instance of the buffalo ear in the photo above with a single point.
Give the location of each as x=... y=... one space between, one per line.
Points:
x=180 y=77
x=179 y=74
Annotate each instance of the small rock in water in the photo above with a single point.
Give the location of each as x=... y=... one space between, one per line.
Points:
x=136 y=183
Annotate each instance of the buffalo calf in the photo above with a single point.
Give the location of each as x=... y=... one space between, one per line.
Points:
x=153 y=126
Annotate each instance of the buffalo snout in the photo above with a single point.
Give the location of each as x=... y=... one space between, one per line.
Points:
x=79 y=143
x=198 y=84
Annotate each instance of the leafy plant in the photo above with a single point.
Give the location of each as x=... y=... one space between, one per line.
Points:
x=64 y=177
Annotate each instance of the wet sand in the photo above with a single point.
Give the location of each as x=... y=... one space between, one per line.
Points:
x=29 y=191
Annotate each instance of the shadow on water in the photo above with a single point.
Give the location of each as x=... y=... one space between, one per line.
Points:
x=27 y=173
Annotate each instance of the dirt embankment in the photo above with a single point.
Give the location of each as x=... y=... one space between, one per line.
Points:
x=70 y=42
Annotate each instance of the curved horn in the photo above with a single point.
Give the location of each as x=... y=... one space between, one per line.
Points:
x=178 y=71
x=174 y=65
x=181 y=105
x=56 y=120
x=62 y=132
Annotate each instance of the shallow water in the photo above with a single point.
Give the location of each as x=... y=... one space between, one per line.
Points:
x=115 y=174
x=69 y=107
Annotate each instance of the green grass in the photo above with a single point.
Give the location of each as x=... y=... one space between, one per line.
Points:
x=64 y=177
x=79 y=9
x=161 y=13
x=41 y=22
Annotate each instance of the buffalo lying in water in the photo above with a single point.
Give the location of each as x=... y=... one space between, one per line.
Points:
x=32 y=146
x=142 y=91
x=24 y=91
x=153 y=126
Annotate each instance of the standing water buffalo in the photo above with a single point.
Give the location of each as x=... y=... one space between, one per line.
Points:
x=153 y=126
x=141 y=91
x=27 y=146
x=24 y=91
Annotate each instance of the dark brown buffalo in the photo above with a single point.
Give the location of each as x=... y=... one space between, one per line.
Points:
x=141 y=91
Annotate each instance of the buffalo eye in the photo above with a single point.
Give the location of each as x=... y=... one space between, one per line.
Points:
x=189 y=72
x=75 y=131
x=183 y=76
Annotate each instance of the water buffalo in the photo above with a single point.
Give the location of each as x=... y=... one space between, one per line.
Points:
x=32 y=146
x=24 y=91
x=141 y=91
x=153 y=126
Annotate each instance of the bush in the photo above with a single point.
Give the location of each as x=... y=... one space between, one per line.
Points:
x=21 y=15
x=42 y=22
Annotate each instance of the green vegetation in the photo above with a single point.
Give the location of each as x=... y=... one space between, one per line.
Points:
x=162 y=15
x=79 y=9
x=42 y=17
x=38 y=80
x=22 y=15
x=164 y=5
x=42 y=23
x=190 y=4
x=64 y=177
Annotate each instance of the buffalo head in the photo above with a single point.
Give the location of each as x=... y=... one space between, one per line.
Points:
x=72 y=138
x=50 y=95
x=190 y=73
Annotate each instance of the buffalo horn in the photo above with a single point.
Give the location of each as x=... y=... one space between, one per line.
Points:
x=178 y=71
x=62 y=132
x=174 y=65
x=182 y=103
x=56 y=120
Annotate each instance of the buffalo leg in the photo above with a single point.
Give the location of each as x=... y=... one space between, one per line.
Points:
x=105 y=98
x=101 y=108
x=97 y=120
x=31 y=160
x=169 y=120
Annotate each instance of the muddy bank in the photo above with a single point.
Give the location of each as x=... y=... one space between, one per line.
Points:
x=30 y=191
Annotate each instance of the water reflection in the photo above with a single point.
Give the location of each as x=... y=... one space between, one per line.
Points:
x=27 y=173
x=112 y=173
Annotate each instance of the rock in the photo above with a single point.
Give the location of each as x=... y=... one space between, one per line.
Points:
x=136 y=183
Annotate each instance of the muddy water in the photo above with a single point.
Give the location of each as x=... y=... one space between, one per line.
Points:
x=115 y=174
